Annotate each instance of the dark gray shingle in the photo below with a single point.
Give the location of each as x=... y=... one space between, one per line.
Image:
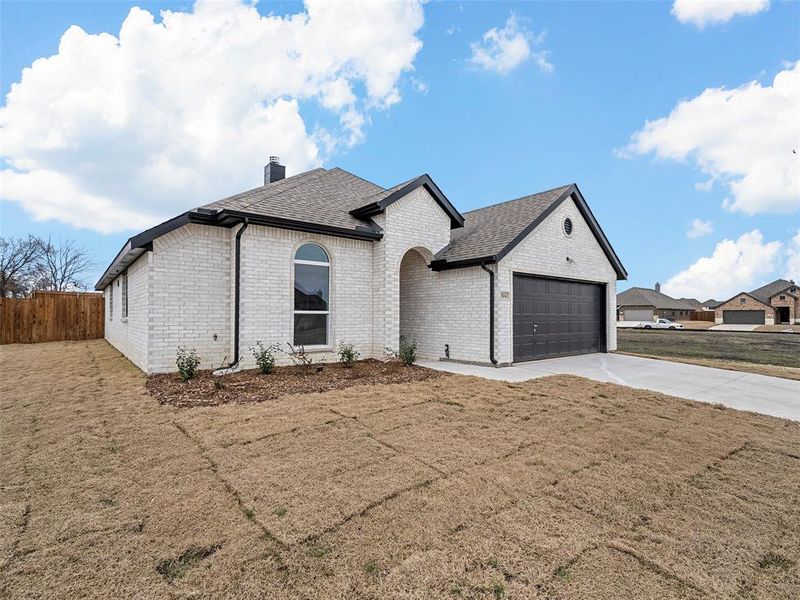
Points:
x=489 y=230
x=320 y=196
x=765 y=292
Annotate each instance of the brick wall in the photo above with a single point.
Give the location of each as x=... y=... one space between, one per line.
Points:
x=267 y=289
x=190 y=302
x=414 y=221
x=788 y=300
x=182 y=292
x=744 y=302
x=130 y=335
x=446 y=307
x=544 y=252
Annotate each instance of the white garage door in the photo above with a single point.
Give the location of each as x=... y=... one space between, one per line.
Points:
x=638 y=314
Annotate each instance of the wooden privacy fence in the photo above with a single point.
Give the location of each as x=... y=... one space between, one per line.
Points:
x=51 y=317
x=703 y=315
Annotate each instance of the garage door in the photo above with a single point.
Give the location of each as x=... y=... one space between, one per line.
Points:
x=556 y=317
x=639 y=314
x=743 y=317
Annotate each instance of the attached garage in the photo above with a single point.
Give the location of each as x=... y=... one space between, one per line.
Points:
x=637 y=314
x=743 y=317
x=557 y=317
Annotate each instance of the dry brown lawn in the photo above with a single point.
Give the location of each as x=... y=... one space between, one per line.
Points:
x=453 y=487
x=697 y=324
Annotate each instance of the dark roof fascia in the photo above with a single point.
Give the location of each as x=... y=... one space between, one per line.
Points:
x=228 y=218
x=443 y=265
x=456 y=219
x=628 y=304
x=141 y=241
x=222 y=218
x=587 y=214
x=748 y=294
x=571 y=191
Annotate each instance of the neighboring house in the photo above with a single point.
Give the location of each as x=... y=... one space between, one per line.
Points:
x=774 y=303
x=711 y=304
x=645 y=304
x=325 y=257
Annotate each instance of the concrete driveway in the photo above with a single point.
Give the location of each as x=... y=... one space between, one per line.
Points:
x=734 y=327
x=744 y=391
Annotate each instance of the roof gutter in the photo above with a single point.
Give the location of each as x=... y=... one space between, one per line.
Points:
x=142 y=242
x=491 y=313
x=234 y=365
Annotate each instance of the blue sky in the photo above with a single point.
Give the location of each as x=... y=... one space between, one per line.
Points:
x=580 y=79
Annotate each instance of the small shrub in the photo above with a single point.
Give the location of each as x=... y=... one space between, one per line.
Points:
x=219 y=384
x=187 y=363
x=301 y=358
x=408 y=351
x=348 y=355
x=264 y=356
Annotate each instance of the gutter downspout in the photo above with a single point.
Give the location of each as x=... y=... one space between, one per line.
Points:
x=233 y=365
x=491 y=313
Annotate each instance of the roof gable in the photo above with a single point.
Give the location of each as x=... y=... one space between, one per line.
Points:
x=749 y=295
x=765 y=292
x=378 y=202
x=490 y=233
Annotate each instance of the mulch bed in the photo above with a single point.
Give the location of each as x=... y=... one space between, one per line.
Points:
x=250 y=386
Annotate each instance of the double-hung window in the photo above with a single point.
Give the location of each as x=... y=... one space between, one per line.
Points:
x=111 y=302
x=311 y=296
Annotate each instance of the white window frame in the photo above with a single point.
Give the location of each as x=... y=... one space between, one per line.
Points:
x=316 y=263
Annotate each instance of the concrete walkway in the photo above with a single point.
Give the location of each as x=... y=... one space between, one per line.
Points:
x=744 y=391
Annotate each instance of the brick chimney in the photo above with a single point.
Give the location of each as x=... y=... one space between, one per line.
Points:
x=274 y=171
x=658 y=287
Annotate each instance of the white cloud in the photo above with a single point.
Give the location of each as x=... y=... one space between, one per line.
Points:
x=419 y=85
x=503 y=50
x=744 y=137
x=699 y=228
x=793 y=258
x=734 y=266
x=117 y=132
x=704 y=12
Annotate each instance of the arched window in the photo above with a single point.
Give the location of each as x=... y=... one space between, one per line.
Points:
x=311 y=295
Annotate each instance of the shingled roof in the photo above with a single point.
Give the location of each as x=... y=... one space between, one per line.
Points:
x=765 y=292
x=321 y=196
x=336 y=202
x=487 y=231
x=492 y=232
x=637 y=296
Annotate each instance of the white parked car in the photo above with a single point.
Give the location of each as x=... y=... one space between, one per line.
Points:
x=661 y=324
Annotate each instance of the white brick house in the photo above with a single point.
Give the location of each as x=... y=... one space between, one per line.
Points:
x=324 y=257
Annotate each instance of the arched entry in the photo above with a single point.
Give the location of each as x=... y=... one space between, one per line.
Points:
x=417 y=300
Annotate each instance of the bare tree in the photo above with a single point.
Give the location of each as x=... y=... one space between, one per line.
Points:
x=20 y=260
x=62 y=266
